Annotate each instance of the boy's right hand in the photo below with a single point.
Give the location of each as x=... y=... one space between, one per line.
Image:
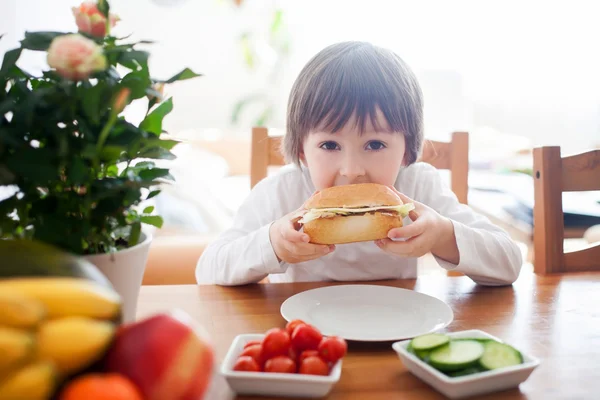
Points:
x=293 y=246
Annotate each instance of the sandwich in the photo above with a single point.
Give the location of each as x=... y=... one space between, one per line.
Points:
x=353 y=213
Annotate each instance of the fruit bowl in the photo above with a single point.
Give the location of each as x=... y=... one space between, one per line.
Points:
x=474 y=383
x=274 y=383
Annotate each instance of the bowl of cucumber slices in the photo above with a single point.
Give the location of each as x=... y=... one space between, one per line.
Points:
x=466 y=363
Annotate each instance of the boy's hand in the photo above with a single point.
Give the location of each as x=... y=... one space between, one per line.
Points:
x=429 y=232
x=292 y=246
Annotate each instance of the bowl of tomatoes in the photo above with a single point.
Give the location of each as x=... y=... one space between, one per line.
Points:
x=295 y=361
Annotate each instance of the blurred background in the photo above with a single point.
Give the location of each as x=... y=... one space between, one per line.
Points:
x=514 y=74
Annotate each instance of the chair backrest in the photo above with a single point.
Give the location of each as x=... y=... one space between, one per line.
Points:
x=453 y=156
x=553 y=175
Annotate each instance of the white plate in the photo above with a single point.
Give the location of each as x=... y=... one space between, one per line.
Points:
x=368 y=313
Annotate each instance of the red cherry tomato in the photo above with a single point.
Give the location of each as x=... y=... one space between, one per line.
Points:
x=314 y=365
x=306 y=337
x=254 y=351
x=332 y=348
x=246 y=363
x=252 y=343
x=307 y=353
x=280 y=364
x=276 y=343
x=293 y=354
x=290 y=326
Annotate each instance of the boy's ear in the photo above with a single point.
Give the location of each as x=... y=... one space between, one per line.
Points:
x=302 y=158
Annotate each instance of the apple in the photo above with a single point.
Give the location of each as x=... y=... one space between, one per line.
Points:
x=167 y=356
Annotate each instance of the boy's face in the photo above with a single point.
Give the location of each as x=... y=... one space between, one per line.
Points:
x=347 y=157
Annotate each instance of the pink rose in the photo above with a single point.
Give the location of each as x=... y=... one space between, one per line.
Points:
x=75 y=57
x=90 y=20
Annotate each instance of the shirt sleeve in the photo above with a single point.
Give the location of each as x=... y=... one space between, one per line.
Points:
x=243 y=254
x=488 y=255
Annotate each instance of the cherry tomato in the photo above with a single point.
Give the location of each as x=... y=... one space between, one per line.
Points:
x=293 y=354
x=280 y=364
x=276 y=343
x=290 y=326
x=254 y=351
x=306 y=337
x=307 y=353
x=314 y=365
x=252 y=343
x=332 y=348
x=246 y=363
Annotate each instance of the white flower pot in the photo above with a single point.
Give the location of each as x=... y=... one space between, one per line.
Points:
x=125 y=270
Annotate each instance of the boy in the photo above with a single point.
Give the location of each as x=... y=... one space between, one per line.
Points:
x=355 y=115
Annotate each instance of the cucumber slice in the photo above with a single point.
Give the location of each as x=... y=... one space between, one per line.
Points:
x=429 y=341
x=499 y=355
x=456 y=355
x=473 y=369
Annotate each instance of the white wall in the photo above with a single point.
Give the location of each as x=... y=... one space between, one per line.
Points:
x=518 y=67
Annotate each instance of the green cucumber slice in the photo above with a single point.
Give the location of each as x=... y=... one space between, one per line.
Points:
x=499 y=355
x=473 y=369
x=456 y=355
x=429 y=341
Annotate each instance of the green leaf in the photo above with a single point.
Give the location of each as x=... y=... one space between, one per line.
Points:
x=10 y=59
x=277 y=21
x=134 y=59
x=39 y=41
x=111 y=153
x=154 y=220
x=78 y=172
x=112 y=171
x=153 y=121
x=134 y=235
x=152 y=194
x=94 y=101
x=137 y=82
x=164 y=143
x=104 y=8
x=157 y=153
x=185 y=74
x=148 y=209
x=35 y=165
x=154 y=173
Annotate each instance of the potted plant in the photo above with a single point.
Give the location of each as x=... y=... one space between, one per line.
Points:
x=75 y=169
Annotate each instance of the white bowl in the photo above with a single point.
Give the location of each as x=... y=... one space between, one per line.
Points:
x=273 y=383
x=468 y=385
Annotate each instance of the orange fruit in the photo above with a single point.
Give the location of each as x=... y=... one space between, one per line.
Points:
x=109 y=386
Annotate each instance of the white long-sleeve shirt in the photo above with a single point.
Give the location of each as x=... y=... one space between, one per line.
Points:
x=243 y=254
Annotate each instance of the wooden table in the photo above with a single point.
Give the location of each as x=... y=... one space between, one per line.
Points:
x=555 y=318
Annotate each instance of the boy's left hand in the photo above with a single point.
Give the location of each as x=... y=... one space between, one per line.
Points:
x=429 y=232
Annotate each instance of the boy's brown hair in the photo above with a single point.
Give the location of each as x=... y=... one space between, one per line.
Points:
x=354 y=79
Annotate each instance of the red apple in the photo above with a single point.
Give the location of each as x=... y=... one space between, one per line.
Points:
x=167 y=356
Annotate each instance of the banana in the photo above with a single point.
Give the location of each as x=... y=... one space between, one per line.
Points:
x=74 y=343
x=16 y=346
x=65 y=296
x=36 y=381
x=20 y=311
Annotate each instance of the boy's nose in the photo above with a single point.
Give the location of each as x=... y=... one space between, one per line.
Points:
x=352 y=171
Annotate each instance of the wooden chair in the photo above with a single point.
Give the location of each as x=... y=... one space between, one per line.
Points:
x=553 y=175
x=453 y=156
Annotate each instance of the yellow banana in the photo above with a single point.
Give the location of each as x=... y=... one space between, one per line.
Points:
x=20 y=311
x=16 y=346
x=74 y=343
x=65 y=296
x=36 y=381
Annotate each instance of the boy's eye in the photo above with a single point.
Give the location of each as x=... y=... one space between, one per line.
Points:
x=330 y=146
x=375 y=145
